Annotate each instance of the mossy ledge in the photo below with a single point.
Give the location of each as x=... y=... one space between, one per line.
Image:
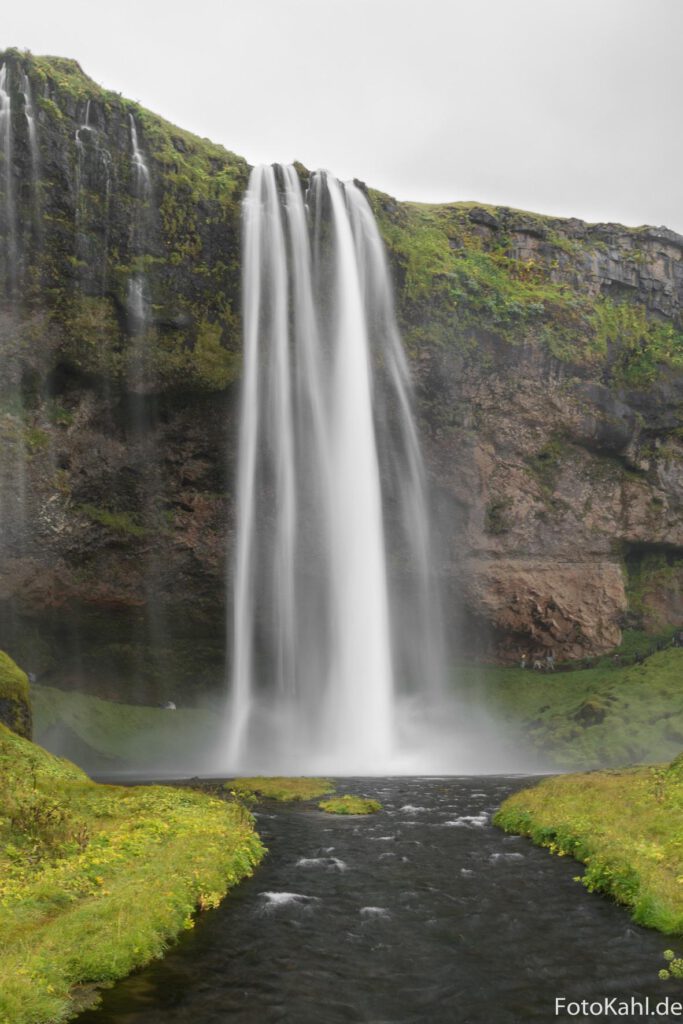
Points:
x=97 y=880
x=350 y=804
x=283 y=789
x=15 y=709
x=624 y=825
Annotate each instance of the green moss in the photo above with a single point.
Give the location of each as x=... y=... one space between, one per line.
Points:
x=651 y=572
x=97 y=880
x=546 y=464
x=626 y=826
x=605 y=715
x=15 y=708
x=460 y=282
x=496 y=516
x=117 y=522
x=279 y=788
x=350 y=805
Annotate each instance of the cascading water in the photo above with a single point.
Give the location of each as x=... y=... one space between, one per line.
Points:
x=138 y=299
x=331 y=639
x=29 y=114
x=8 y=217
x=92 y=200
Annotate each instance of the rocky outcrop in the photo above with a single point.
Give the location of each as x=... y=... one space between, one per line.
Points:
x=547 y=356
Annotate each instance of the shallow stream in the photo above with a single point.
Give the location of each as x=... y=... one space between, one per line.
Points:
x=421 y=914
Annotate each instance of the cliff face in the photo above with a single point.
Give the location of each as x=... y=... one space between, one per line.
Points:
x=547 y=355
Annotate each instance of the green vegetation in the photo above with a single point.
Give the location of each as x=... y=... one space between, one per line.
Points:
x=625 y=826
x=144 y=736
x=350 y=805
x=15 y=711
x=279 y=788
x=464 y=278
x=605 y=715
x=652 y=573
x=97 y=880
x=78 y=280
x=117 y=522
x=674 y=968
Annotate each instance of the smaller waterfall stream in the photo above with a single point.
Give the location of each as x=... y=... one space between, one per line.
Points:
x=29 y=114
x=8 y=216
x=330 y=636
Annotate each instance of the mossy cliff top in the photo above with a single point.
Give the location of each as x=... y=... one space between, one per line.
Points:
x=15 y=709
x=119 y=263
x=588 y=294
x=115 y=261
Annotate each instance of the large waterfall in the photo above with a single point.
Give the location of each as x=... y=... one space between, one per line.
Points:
x=337 y=618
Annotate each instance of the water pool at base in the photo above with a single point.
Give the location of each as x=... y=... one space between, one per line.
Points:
x=421 y=914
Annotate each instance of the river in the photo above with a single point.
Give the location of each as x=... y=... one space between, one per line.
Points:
x=421 y=914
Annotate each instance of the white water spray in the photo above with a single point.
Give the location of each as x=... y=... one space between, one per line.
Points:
x=328 y=642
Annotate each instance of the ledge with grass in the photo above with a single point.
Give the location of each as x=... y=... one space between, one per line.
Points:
x=350 y=805
x=97 y=880
x=624 y=825
x=278 y=787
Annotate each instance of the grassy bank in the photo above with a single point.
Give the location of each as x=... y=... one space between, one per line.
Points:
x=97 y=880
x=627 y=828
x=280 y=788
x=604 y=716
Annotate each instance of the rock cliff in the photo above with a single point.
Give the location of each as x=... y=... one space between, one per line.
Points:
x=548 y=364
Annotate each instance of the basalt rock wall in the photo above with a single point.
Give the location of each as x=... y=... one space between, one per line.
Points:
x=548 y=364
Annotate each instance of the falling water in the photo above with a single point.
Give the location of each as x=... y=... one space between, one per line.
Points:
x=31 y=124
x=8 y=222
x=328 y=642
x=140 y=168
x=92 y=201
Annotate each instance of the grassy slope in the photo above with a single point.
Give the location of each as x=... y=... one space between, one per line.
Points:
x=145 y=736
x=604 y=716
x=14 y=698
x=96 y=880
x=626 y=826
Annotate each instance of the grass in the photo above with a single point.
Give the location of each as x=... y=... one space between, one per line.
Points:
x=604 y=716
x=626 y=826
x=279 y=788
x=146 y=737
x=97 y=880
x=14 y=696
x=350 y=805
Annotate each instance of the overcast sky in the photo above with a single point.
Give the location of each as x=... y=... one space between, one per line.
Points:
x=570 y=107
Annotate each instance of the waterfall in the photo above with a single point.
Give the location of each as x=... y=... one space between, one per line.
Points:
x=92 y=201
x=140 y=169
x=138 y=298
x=337 y=614
x=8 y=219
x=30 y=124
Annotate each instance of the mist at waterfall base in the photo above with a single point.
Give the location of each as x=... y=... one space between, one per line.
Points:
x=340 y=660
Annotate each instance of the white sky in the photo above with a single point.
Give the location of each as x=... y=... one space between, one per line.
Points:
x=570 y=107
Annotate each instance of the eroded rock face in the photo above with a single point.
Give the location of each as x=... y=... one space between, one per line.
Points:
x=547 y=357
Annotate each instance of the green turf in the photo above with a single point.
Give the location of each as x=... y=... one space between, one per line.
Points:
x=625 y=825
x=97 y=880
